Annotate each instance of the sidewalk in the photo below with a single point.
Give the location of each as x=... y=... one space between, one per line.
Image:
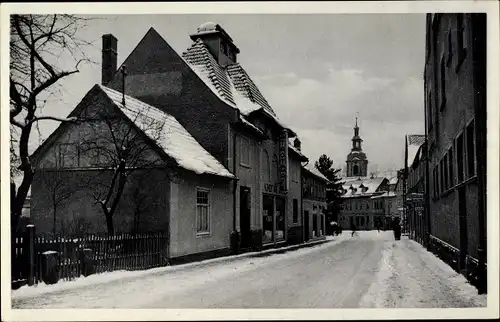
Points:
x=123 y=276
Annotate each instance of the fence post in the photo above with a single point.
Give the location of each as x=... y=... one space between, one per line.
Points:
x=30 y=232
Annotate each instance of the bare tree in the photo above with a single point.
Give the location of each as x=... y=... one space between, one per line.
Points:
x=36 y=43
x=123 y=145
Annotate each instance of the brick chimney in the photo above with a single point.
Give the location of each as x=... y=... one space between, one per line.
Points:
x=109 y=58
x=297 y=144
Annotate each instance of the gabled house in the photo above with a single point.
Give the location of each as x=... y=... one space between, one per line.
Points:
x=209 y=92
x=172 y=185
x=314 y=202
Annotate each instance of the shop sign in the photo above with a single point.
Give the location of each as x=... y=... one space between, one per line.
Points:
x=283 y=161
x=272 y=188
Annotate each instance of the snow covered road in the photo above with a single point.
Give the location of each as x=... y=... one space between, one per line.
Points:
x=369 y=270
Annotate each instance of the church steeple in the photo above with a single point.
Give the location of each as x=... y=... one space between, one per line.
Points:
x=357 y=163
x=356 y=139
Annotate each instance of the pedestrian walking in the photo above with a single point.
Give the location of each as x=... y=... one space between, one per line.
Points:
x=353 y=229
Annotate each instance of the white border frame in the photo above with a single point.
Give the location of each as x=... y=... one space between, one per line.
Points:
x=491 y=7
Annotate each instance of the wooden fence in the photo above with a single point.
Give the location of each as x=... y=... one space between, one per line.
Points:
x=104 y=253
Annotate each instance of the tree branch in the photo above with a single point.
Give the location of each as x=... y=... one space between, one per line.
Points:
x=54 y=118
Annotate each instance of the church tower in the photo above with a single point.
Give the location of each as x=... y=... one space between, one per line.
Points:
x=357 y=163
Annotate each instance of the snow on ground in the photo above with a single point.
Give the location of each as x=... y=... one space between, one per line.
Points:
x=241 y=262
x=367 y=270
x=411 y=277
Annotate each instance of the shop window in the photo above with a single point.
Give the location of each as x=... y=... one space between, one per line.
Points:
x=202 y=211
x=267 y=219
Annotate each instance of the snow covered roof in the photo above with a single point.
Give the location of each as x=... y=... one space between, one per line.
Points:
x=231 y=84
x=387 y=194
x=174 y=139
x=312 y=169
x=360 y=186
x=299 y=153
x=393 y=180
x=414 y=142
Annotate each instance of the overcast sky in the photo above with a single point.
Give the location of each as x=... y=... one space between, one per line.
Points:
x=316 y=71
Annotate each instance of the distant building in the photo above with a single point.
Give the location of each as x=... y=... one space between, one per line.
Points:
x=367 y=202
x=364 y=202
x=455 y=109
x=357 y=162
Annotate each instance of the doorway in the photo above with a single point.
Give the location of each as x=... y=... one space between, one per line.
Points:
x=306 y=225
x=462 y=212
x=245 y=214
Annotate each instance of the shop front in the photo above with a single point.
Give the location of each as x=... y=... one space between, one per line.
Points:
x=273 y=216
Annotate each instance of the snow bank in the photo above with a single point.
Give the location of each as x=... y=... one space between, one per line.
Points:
x=411 y=277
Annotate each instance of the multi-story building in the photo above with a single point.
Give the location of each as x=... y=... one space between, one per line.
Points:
x=314 y=202
x=455 y=109
x=415 y=186
x=207 y=89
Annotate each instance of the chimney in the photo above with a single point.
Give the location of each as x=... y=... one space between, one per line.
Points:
x=109 y=58
x=296 y=144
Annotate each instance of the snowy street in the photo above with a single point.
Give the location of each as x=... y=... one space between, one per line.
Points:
x=368 y=270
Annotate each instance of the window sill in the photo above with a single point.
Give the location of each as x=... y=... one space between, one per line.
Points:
x=202 y=235
x=244 y=165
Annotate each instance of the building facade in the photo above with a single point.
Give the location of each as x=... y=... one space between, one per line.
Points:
x=314 y=202
x=455 y=109
x=170 y=185
x=214 y=98
x=415 y=165
x=365 y=203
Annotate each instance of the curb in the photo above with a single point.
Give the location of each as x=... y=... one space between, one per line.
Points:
x=263 y=253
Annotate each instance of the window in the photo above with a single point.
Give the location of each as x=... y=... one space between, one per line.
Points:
x=460 y=158
x=450 y=49
x=244 y=151
x=443 y=84
x=295 y=211
x=441 y=176
x=435 y=182
x=266 y=166
x=445 y=172
x=471 y=171
x=66 y=155
x=460 y=34
x=450 y=167
x=429 y=110
x=202 y=212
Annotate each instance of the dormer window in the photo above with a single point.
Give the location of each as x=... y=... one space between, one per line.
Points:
x=230 y=55
x=223 y=48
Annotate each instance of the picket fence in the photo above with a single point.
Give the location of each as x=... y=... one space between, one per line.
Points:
x=107 y=253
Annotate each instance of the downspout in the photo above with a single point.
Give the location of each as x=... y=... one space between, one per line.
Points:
x=479 y=31
x=427 y=186
x=302 y=202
